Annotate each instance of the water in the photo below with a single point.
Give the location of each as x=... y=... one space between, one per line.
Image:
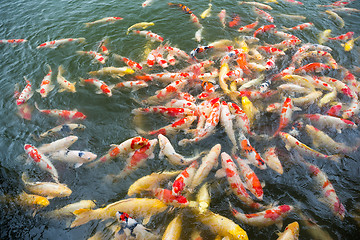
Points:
x=110 y=121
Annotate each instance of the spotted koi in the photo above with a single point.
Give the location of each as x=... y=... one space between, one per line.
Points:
x=263 y=29
x=64 y=84
x=183 y=180
x=97 y=56
x=248 y=28
x=250 y=152
x=46 y=87
x=104 y=20
x=343 y=37
x=25 y=94
x=56 y=43
x=101 y=85
x=167 y=92
x=131 y=64
x=181 y=124
x=12 y=41
x=300 y=27
x=264 y=15
x=285 y=115
x=65 y=114
x=150 y=35
x=272 y=160
x=169 y=112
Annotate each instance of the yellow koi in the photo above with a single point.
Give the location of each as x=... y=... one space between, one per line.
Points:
x=207 y=12
x=324 y=36
x=142 y=25
x=173 y=230
x=349 y=45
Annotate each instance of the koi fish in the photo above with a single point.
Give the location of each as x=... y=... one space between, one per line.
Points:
x=42 y=161
x=64 y=128
x=26 y=93
x=125 y=147
x=291 y=142
x=203 y=198
x=27 y=200
x=68 y=210
x=137 y=207
x=235 y=182
x=104 y=20
x=323 y=141
x=102 y=46
x=339 y=86
x=291 y=232
x=65 y=114
x=330 y=121
x=221 y=225
x=330 y=197
x=250 y=152
x=132 y=64
x=182 y=7
x=207 y=163
x=285 y=115
x=343 y=37
x=335 y=16
x=183 y=180
x=103 y=88
x=263 y=29
x=350 y=44
x=65 y=84
x=150 y=35
x=146 y=3
x=113 y=71
x=150 y=182
x=58 y=145
x=169 y=112
x=46 y=87
x=166 y=196
x=300 y=27
x=272 y=160
x=271 y=50
x=235 y=21
x=142 y=25
x=248 y=28
x=199 y=49
x=12 y=41
x=251 y=180
x=166 y=93
x=173 y=230
x=226 y=122
x=265 y=218
x=132 y=228
x=222 y=17
x=264 y=15
x=207 y=12
x=46 y=189
x=166 y=149
x=97 y=56
x=181 y=124
x=136 y=159
x=287 y=43
x=56 y=43
x=241 y=118
x=75 y=157
x=257 y=4
x=312 y=67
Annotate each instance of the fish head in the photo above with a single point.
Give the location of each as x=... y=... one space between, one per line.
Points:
x=41 y=201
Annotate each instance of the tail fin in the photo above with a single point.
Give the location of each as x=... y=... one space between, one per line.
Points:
x=37 y=107
x=81 y=40
x=61 y=70
x=87 y=25
x=82 y=82
x=83 y=216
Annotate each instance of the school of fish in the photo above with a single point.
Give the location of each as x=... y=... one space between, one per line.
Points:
x=230 y=87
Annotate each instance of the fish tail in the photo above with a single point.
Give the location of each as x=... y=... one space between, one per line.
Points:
x=82 y=82
x=37 y=107
x=80 y=52
x=83 y=216
x=81 y=40
x=48 y=66
x=335 y=158
x=25 y=178
x=87 y=24
x=61 y=70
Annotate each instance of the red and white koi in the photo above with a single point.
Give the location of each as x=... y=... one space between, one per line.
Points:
x=64 y=84
x=329 y=195
x=208 y=90
x=236 y=185
x=176 y=51
x=184 y=179
x=271 y=50
x=210 y=123
x=159 y=58
x=25 y=94
x=167 y=150
x=12 y=41
x=270 y=63
x=264 y=15
x=287 y=43
x=166 y=196
x=46 y=86
x=330 y=121
x=58 y=145
x=300 y=27
x=97 y=56
x=42 y=161
x=222 y=17
x=194 y=19
x=250 y=152
x=147 y=3
x=207 y=163
x=150 y=35
x=265 y=218
x=125 y=147
x=56 y=43
x=294 y=2
x=335 y=110
x=272 y=160
x=292 y=142
x=65 y=114
x=181 y=124
x=285 y=115
x=136 y=159
x=101 y=85
x=181 y=103
x=252 y=181
x=352 y=109
x=340 y=3
x=104 y=20
x=168 y=92
x=102 y=46
x=169 y=112
x=265 y=28
x=343 y=37
x=284 y=35
x=248 y=28
x=312 y=67
x=235 y=20
x=340 y=86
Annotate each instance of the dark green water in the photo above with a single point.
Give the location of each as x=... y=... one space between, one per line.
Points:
x=109 y=120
